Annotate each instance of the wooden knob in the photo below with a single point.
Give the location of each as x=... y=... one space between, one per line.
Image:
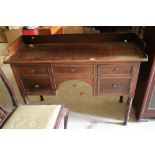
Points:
x=32 y=71
x=73 y=69
x=114 y=69
x=31 y=45
x=113 y=85
x=36 y=86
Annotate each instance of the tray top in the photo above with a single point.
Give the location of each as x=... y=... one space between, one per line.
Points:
x=81 y=52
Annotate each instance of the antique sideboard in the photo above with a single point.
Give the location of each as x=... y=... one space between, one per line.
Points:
x=108 y=62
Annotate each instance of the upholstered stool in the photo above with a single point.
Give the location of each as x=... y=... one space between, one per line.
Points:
x=34 y=117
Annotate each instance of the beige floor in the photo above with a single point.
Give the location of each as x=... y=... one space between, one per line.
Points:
x=86 y=111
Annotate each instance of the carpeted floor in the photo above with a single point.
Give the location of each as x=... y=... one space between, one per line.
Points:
x=86 y=111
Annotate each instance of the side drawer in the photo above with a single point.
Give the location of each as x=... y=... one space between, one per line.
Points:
x=114 y=85
x=30 y=70
x=37 y=85
x=73 y=69
x=122 y=69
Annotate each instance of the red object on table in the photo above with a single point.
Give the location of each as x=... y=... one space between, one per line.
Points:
x=30 y=32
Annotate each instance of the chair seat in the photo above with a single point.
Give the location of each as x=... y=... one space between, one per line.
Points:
x=33 y=117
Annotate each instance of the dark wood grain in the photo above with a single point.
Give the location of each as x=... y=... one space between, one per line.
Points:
x=15 y=45
x=90 y=53
x=73 y=69
x=79 y=49
x=33 y=70
x=120 y=69
x=118 y=86
x=78 y=38
x=36 y=85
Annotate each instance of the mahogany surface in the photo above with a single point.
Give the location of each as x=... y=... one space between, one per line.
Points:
x=108 y=62
x=77 y=52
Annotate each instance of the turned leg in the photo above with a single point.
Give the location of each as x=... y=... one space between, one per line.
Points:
x=121 y=99
x=128 y=109
x=41 y=98
x=25 y=98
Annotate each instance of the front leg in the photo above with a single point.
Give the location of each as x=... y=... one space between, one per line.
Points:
x=26 y=100
x=41 y=98
x=121 y=99
x=128 y=110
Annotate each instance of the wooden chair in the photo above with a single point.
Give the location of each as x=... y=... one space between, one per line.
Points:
x=31 y=116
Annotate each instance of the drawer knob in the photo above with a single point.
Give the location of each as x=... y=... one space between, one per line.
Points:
x=73 y=69
x=32 y=37
x=114 y=69
x=113 y=85
x=32 y=71
x=125 y=40
x=36 y=86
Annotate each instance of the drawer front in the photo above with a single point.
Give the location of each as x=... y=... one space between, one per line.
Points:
x=26 y=70
x=37 y=85
x=115 y=69
x=114 y=85
x=73 y=69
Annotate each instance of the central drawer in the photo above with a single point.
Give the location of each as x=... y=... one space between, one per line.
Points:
x=73 y=69
x=36 y=85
